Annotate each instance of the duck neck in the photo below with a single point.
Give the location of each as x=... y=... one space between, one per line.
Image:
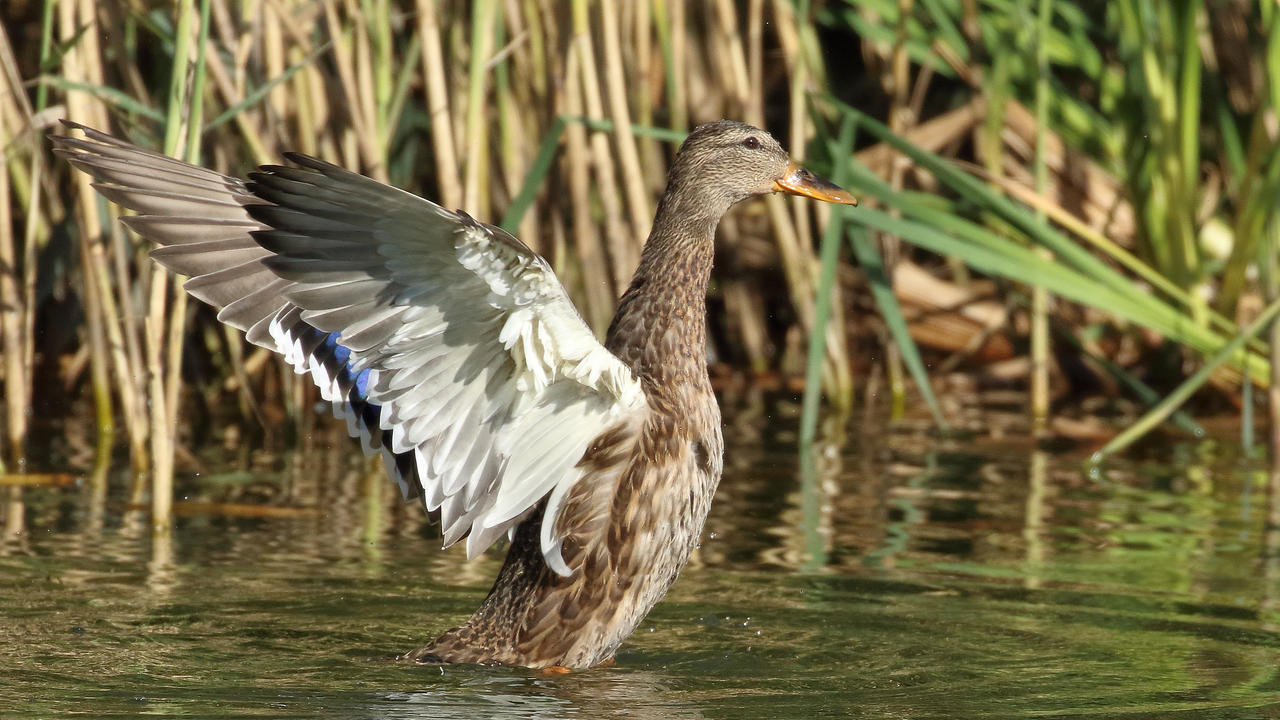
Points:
x=659 y=330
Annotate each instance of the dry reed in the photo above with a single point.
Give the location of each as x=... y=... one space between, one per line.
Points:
x=458 y=101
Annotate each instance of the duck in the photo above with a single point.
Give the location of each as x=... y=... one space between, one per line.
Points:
x=452 y=350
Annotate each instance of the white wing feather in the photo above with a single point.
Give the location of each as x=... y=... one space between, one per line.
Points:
x=484 y=369
x=481 y=366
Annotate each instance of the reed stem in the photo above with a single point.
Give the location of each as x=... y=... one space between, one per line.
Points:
x=11 y=327
x=616 y=85
x=442 y=136
x=1040 y=397
x=475 y=188
x=160 y=384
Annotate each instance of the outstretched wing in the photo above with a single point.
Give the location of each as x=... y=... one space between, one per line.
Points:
x=447 y=344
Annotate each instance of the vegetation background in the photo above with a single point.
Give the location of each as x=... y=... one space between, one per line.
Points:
x=1069 y=196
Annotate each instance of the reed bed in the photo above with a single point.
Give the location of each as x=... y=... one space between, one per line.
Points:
x=1050 y=192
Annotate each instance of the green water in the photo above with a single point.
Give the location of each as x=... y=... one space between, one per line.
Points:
x=900 y=577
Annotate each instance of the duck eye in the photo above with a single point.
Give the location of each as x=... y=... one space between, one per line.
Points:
x=751 y=143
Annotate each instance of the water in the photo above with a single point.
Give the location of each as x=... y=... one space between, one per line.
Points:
x=902 y=577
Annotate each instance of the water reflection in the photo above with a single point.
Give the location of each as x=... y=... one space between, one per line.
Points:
x=488 y=694
x=15 y=521
x=901 y=576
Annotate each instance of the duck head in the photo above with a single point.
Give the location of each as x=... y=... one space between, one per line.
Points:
x=724 y=162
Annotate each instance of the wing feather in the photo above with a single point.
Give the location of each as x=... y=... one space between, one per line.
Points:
x=446 y=344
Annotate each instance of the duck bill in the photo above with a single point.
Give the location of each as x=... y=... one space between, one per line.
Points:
x=799 y=181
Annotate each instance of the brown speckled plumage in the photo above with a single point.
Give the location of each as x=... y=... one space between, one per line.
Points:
x=451 y=349
x=634 y=519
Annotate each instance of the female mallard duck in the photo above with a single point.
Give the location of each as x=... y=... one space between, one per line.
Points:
x=451 y=348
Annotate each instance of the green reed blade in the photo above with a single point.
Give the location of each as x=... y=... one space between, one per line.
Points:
x=102 y=92
x=882 y=290
x=535 y=177
x=261 y=92
x=1184 y=391
x=1144 y=392
x=830 y=260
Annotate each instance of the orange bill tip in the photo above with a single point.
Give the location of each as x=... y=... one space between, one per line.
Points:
x=799 y=181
